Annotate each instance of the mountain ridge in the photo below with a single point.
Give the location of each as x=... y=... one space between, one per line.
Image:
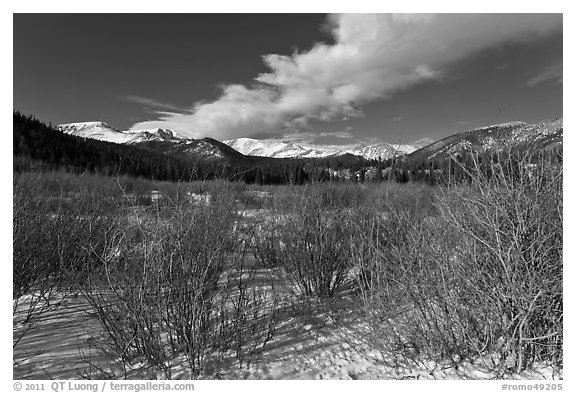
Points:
x=102 y=131
x=496 y=137
x=281 y=149
x=245 y=146
x=492 y=137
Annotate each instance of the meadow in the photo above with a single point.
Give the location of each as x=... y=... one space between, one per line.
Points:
x=221 y=279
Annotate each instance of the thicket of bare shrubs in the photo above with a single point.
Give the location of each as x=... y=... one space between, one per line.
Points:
x=50 y=225
x=266 y=244
x=168 y=279
x=511 y=220
x=308 y=237
x=479 y=274
x=450 y=272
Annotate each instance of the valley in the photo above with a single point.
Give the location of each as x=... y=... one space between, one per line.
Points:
x=124 y=277
x=224 y=193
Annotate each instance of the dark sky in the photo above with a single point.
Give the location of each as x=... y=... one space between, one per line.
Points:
x=173 y=70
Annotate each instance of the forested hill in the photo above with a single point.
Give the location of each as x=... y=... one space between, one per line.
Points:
x=513 y=136
x=40 y=146
x=36 y=144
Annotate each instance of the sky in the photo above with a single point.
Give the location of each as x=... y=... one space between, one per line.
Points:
x=310 y=78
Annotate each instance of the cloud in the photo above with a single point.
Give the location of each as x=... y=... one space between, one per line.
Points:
x=373 y=57
x=337 y=134
x=397 y=118
x=314 y=138
x=151 y=103
x=552 y=72
x=423 y=142
x=501 y=67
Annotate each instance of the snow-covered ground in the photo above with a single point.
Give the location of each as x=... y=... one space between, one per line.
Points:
x=56 y=345
x=311 y=342
x=329 y=339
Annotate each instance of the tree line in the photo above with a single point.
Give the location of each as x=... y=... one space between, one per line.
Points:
x=40 y=146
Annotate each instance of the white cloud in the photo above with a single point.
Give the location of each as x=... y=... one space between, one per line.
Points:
x=239 y=109
x=151 y=103
x=312 y=138
x=423 y=142
x=374 y=56
x=337 y=134
x=553 y=72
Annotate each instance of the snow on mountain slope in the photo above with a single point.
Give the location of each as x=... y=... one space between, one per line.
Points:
x=264 y=148
x=157 y=133
x=201 y=147
x=158 y=140
x=381 y=150
x=279 y=149
x=95 y=130
x=247 y=146
x=496 y=137
x=103 y=132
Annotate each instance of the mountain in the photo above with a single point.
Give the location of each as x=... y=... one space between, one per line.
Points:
x=158 y=140
x=37 y=146
x=279 y=149
x=247 y=150
x=494 y=138
x=206 y=148
x=96 y=147
x=103 y=132
x=382 y=150
x=164 y=155
x=163 y=140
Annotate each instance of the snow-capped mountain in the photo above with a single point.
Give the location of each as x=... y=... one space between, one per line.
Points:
x=205 y=148
x=158 y=140
x=103 y=132
x=279 y=149
x=246 y=146
x=496 y=137
x=381 y=150
x=267 y=148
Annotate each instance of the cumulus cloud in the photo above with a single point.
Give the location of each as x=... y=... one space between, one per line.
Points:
x=553 y=72
x=373 y=57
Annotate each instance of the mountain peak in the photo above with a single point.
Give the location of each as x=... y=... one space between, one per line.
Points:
x=85 y=124
x=104 y=132
x=162 y=133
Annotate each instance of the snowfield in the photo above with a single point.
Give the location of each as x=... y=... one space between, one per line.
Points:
x=308 y=344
